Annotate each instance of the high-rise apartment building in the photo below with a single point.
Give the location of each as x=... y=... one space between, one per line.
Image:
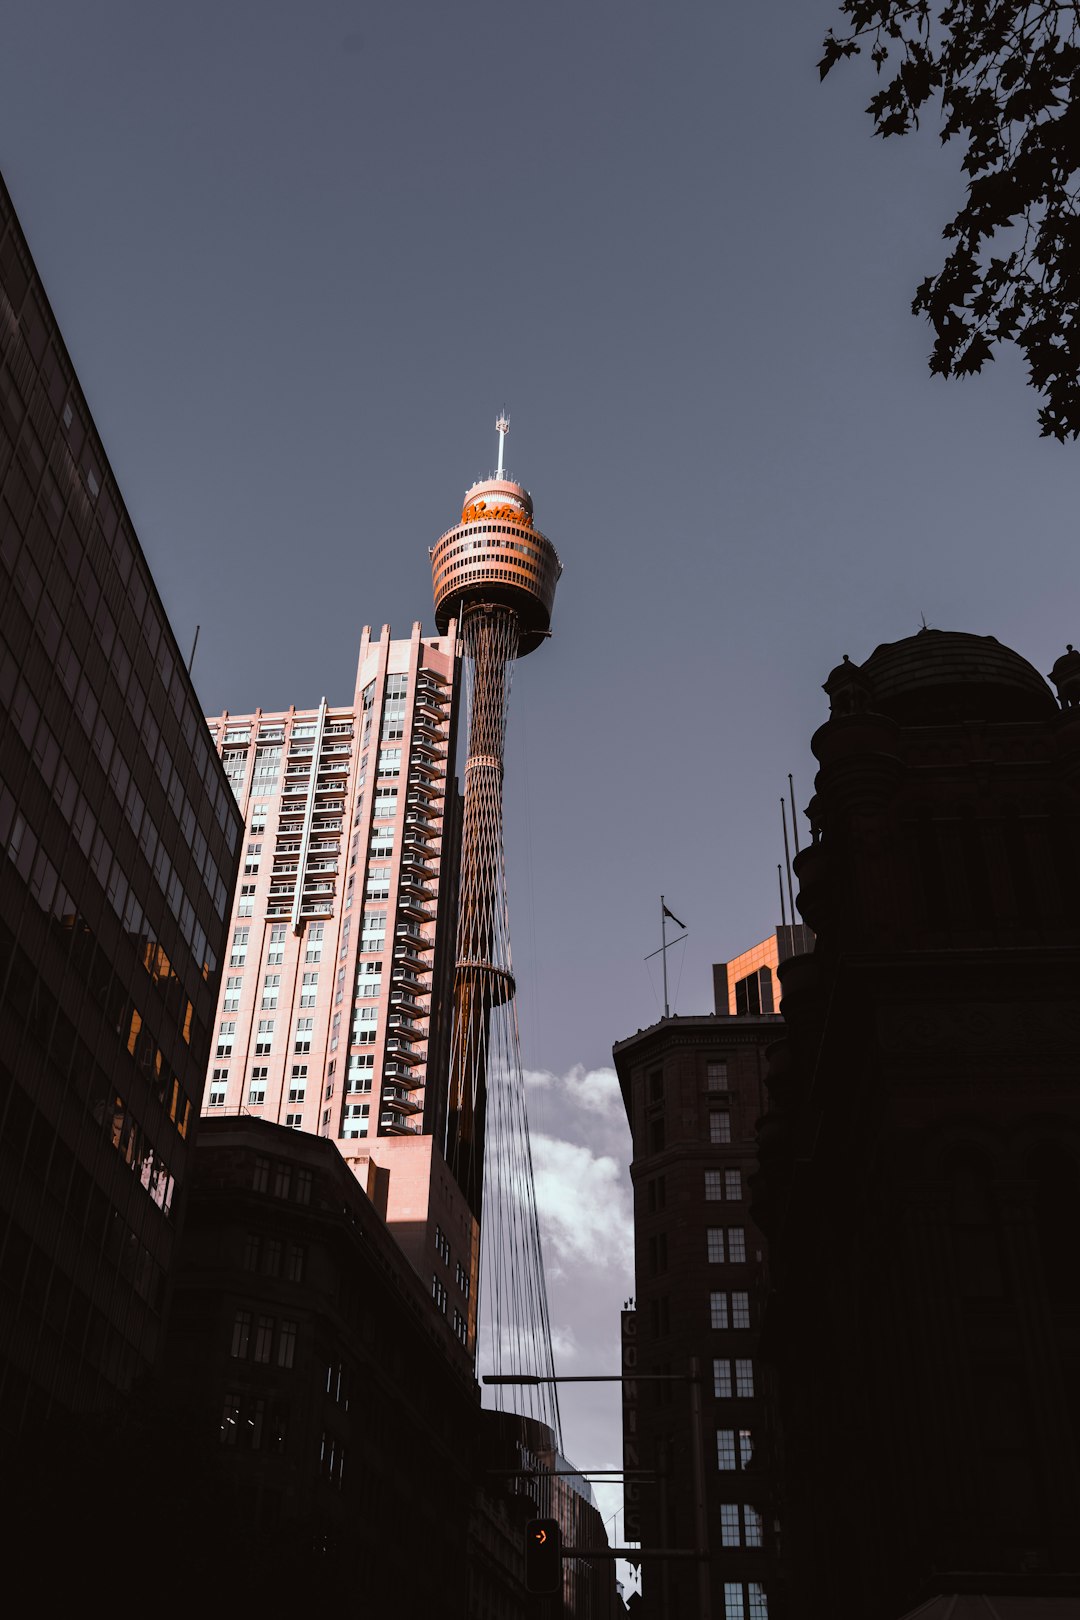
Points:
x=118 y=848
x=336 y=992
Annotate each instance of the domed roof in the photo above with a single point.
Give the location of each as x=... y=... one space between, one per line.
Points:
x=948 y=675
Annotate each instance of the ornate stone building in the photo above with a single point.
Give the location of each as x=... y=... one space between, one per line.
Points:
x=920 y=1159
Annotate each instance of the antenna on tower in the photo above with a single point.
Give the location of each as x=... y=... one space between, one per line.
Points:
x=502 y=428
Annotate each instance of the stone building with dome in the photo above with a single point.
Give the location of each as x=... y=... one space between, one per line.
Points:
x=919 y=1172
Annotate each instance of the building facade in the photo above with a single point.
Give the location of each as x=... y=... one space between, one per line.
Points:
x=344 y=1410
x=700 y=1458
x=335 y=1002
x=920 y=1157
x=120 y=840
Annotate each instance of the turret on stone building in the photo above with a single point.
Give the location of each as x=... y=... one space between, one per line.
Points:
x=919 y=1176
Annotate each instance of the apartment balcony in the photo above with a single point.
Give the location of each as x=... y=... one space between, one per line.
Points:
x=423 y=764
x=397 y=1125
x=393 y=1097
x=405 y=1029
x=402 y=1052
x=416 y=871
x=406 y=956
x=410 y=905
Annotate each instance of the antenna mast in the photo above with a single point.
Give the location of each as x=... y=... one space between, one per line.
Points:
x=502 y=428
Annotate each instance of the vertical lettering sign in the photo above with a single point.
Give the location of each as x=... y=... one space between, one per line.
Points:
x=631 y=1456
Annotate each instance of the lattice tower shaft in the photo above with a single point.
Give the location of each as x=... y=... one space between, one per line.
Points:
x=483 y=977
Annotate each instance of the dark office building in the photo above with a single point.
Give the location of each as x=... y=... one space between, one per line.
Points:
x=343 y=1408
x=700 y=1461
x=118 y=840
x=920 y=1159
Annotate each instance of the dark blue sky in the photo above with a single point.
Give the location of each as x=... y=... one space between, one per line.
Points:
x=302 y=254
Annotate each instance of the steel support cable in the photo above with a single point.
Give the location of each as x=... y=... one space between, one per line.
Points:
x=487 y=1129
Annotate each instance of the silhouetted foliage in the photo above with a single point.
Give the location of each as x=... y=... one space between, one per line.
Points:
x=1005 y=76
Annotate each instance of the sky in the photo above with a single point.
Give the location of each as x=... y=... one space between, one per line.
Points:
x=302 y=255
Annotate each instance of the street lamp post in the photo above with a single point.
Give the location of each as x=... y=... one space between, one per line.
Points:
x=700 y=1552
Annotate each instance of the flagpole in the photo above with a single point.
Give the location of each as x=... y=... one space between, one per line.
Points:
x=663 y=949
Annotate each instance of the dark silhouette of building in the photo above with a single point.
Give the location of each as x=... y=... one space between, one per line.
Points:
x=700 y=1461
x=920 y=1158
x=352 y=1459
x=344 y=1408
x=118 y=849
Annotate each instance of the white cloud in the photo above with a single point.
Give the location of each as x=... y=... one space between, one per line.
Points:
x=594 y=1090
x=584 y=1207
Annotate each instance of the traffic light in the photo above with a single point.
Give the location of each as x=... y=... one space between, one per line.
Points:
x=543 y=1556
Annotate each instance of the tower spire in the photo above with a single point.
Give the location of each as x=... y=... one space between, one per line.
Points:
x=502 y=428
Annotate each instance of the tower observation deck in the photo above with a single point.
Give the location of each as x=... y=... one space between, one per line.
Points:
x=496 y=574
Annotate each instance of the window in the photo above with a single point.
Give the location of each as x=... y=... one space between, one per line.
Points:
x=438 y=1294
x=216 y=1097
x=261 y=1178
x=264 y=1037
x=716 y=1244
x=294 y=1122
x=732 y=1184
x=294 y=1262
x=304 y=1181
x=719 y=1126
x=242 y=1422
x=736 y=1245
x=309 y=990
x=734 y=1607
x=275 y=955
x=286 y=1344
x=271 y=1264
x=461 y=1327
x=744 y=1380
x=657 y=1195
x=302 y=1042
x=656 y=1136
x=251 y=1251
x=718 y=1310
x=714 y=1186
x=725 y=1450
x=232 y=994
x=258 y=818
x=746 y=1448
x=226 y=1035
x=740 y=1310
x=313 y=951
x=658 y=1256
x=716 y=1078
x=264 y=1338
x=239 y=948
x=730 y=1528
x=751 y=1527
x=442 y=1245
x=722 y=1379
x=271 y=986
x=298 y=1083
x=656 y=1085
x=257 y=1088
x=241 y=1335
x=282 y=1180
x=246 y=907
x=462 y=1279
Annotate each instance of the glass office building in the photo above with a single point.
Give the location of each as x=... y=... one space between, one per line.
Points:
x=119 y=839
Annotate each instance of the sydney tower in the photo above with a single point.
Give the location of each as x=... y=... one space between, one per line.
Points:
x=496 y=574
